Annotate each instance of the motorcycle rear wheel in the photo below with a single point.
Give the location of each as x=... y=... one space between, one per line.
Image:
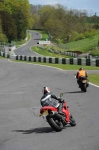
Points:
x=55 y=124
x=84 y=88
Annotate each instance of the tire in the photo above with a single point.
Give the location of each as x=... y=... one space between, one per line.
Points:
x=72 y=121
x=84 y=88
x=55 y=126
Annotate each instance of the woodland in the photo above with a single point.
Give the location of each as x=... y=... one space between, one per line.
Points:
x=59 y=22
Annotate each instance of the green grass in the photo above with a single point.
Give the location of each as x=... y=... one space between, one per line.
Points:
x=70 y=67
x=94 y=78
x=45 y=52
x=84 y=45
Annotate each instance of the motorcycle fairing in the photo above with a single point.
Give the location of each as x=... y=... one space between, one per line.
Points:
x=67 y=113
x=48 y=108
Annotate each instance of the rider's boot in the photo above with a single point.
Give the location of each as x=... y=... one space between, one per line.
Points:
x=60 y=109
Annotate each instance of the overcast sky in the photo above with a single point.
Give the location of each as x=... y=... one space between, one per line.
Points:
x=92 y=6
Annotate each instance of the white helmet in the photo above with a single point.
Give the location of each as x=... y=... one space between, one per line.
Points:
x=46 y=90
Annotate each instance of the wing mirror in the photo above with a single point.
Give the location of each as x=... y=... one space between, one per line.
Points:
x=61 y=94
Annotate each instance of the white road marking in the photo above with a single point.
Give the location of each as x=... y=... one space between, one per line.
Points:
x=94 y=85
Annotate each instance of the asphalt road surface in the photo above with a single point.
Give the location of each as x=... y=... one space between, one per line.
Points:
x=21 y=128
x=25 y=49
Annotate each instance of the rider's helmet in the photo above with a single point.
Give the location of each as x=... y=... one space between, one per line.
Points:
x=80 y=69
x=46 y=90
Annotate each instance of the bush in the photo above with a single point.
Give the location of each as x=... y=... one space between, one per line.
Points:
x=3 y=37
x=91 y=33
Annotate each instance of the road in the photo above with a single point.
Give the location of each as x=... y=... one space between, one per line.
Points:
x=25 y=49
x=21 y=128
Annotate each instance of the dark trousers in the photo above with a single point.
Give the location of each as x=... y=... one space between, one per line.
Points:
x=60 y=107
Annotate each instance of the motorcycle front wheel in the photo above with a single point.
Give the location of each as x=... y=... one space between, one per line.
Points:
x=55 y=124
x=72 y=121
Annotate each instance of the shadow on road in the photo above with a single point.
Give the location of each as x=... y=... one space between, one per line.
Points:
x=36 y=130
x=73 y=92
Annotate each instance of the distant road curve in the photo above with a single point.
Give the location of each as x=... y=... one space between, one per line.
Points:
x=26 y=48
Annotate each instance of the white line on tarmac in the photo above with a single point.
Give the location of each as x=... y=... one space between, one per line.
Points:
x=94 y=85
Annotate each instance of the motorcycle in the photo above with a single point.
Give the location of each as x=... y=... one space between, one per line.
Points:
x=57 y=121
x=83 y=83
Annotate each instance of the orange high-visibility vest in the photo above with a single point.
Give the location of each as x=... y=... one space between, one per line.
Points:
x=81 y=73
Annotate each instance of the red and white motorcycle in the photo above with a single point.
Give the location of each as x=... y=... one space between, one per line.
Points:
x=57 y=121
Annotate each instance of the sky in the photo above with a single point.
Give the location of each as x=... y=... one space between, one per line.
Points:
x=91 y=6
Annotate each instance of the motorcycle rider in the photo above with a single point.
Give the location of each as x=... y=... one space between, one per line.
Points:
x=80 y=73
x=47 y=97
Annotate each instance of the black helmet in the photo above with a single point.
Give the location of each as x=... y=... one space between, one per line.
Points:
x=80 y=69
x=46 y=90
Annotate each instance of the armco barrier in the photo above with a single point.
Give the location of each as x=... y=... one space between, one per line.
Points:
x=79 y=62
x=63 y=61
x=88 y=62
x=72 y=61
x=97 y=62
x=56 y=61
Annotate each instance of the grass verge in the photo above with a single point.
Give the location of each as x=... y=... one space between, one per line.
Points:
x=94 y=78
x=63 y=66
x=45 y=52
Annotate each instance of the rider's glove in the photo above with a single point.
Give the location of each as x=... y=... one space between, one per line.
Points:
x=61 y=100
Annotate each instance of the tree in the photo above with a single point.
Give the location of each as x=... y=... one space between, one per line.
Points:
x=2 y=35
x=16 y=18
x=9 y=26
